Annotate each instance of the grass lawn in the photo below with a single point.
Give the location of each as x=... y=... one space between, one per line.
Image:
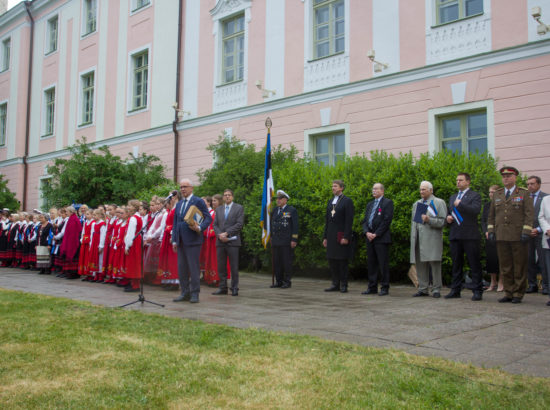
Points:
x=58 y=353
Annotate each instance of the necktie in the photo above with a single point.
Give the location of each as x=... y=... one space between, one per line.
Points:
x=226 y=211
x=372 y=212
x=183 y=206
x=460 y=195
x=507 y=193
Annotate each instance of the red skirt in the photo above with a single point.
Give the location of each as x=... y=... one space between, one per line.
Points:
x=132 y=261
x=83 y=258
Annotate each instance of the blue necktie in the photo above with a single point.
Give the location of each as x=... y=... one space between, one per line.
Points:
x=183 y=206
x=460 y=195
x=226 y=211
x=372 y=212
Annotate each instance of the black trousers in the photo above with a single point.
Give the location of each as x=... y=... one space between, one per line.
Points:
x=339 y=271
x=471 y=248
x=535 y=263
x=232 y=253
x=378 y=264
x=282 y=264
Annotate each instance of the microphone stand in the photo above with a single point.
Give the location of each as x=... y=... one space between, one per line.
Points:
x=141 y=297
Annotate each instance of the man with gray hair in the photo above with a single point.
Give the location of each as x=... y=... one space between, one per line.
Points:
x=428 y=220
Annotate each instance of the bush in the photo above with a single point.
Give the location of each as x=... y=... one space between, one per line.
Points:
x=7 y=198
x=309 y=186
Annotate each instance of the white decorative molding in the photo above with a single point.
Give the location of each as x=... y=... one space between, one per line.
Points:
x=325 y=116
x=460 y=39
x=326 y=72
x=227 y=97
x=225 y=8
x=458 y=91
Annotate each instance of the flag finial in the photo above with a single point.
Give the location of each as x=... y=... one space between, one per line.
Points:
x=268 y=123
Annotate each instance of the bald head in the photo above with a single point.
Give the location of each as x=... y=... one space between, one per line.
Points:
x=186 y=187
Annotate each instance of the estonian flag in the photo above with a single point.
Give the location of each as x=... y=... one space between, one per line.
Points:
x=267 y=194
x=456 y=215
x=431 y=209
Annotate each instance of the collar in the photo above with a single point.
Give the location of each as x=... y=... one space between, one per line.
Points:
x=511 y=189
x=466 y=190
x=189 y=197
x=228 y=205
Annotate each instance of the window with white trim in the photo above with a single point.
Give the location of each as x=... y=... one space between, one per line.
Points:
x=233 y=49
x=139 y=4
x=49 y=112
x=463 y=132
x=3 y=123
x=6 y=51
x=329 y=28
x=140 y=68
x=51 y=34
x=87 y=82
x=90 y=17
x=452 y=10
x=329 y=148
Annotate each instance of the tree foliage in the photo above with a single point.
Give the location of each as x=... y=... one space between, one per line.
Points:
x=240 y=167
x=7 y=198
x=96 y=177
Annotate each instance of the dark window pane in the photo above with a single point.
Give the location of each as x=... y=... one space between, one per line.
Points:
x=448 y=13
x=477 y=125
x=477 y=145
x=323 y=160
x=474 y=7
x=321 y=145
x=339 y=144
x=455 y=146
x=451 y=128
x=321 y=15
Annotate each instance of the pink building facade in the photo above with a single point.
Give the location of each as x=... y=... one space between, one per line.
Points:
x=335 y=76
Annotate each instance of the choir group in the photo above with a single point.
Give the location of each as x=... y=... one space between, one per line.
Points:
x=111 y=244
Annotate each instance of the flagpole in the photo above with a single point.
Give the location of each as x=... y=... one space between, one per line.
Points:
x=268 y=124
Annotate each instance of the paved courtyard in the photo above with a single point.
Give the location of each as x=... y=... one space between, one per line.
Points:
x=514 y=338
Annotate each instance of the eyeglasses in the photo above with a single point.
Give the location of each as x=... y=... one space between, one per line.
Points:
x=185 y=186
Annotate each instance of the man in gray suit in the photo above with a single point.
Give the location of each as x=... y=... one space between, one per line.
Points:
x=427 y=239
x=535 y=264
x=228 y=223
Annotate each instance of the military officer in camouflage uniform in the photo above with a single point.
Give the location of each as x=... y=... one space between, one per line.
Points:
x=284 y=238
x=510 y=224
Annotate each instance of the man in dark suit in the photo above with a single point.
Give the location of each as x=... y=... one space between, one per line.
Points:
x=337 y=236
x=187 y=241
x=284 y=238
x=376 y=227
x=228 y=223
x=464 y=237
x=535 y=262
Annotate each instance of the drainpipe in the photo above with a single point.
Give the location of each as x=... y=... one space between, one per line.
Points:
x=28 y=122
x=178 y=81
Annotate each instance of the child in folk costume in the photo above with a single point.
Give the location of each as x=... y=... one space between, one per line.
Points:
x=68 y=250
x=5 y=226
x=44 y=238
x=152 y=242
x=110 y=239
x=97 y=244
x=208 y=248
x=59 y=232
x=118 y=267
x=133 y=247
x=12 y=240
x=28 y=248
x=85 y=239
x=145 y=214
x=31 y=260
x=20 y=240
x=168 y=258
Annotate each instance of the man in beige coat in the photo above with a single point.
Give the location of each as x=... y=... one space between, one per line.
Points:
x=427 y=239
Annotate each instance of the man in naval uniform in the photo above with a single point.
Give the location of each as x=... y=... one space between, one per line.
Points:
x=284 y=238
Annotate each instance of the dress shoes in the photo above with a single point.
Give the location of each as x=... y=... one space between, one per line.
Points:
x=286 y=285
x=220 y=291
x=182 y=298
x=532 y=289
x=276 y=285
x=344 y=289
x=436 y=295
x=72 y=276
x=544 y=291
x=476 y=297
x=369 y=291
x=505 y=299
x=516 y=300
x=419 y=294
x=234 y=292
x=194 y=298
x=383 y=292
x=333 y=288
x=453 y=295
x=130 y=289
x=548 y=303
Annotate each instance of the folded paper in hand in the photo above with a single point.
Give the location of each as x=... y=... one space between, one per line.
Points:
x=421 y=209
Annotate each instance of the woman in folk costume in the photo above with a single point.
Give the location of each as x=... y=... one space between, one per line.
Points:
x=145 y=215
x=59 y=231
x=208 y=259
x=44 y=237
x=12 y=240
x=168 y=259
x=112 y=222
x=20 y=240
x=85 y=239
x=27 y=246
x=5 y=226
x=118 y=248
x=97 y=244
x=32 y=240
x=152 y=241
x=133 y=247
x=70 y=245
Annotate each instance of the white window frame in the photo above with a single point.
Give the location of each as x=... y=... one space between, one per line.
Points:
x=313 y=33
x=461 y=8
x=45 y=90
x=459 y=109
x=135 y=9
x=5 y=66
x=48 y=40
x=130 y=92
x=309 y=35
x=222 y=49
x=85 y=31
x=81 y=123
x=312 y=133
x=3 y=143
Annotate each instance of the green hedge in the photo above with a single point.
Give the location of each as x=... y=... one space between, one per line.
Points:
x=240 y=167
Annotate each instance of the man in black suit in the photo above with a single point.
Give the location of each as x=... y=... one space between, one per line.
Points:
x=187 y=241
x=464 y=237
x=284 y=238
x=228 y=223
x=376 y=227
x=337 y=236
x=535 y=263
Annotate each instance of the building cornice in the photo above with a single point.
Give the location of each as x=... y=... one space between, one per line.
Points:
x=10 y=162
